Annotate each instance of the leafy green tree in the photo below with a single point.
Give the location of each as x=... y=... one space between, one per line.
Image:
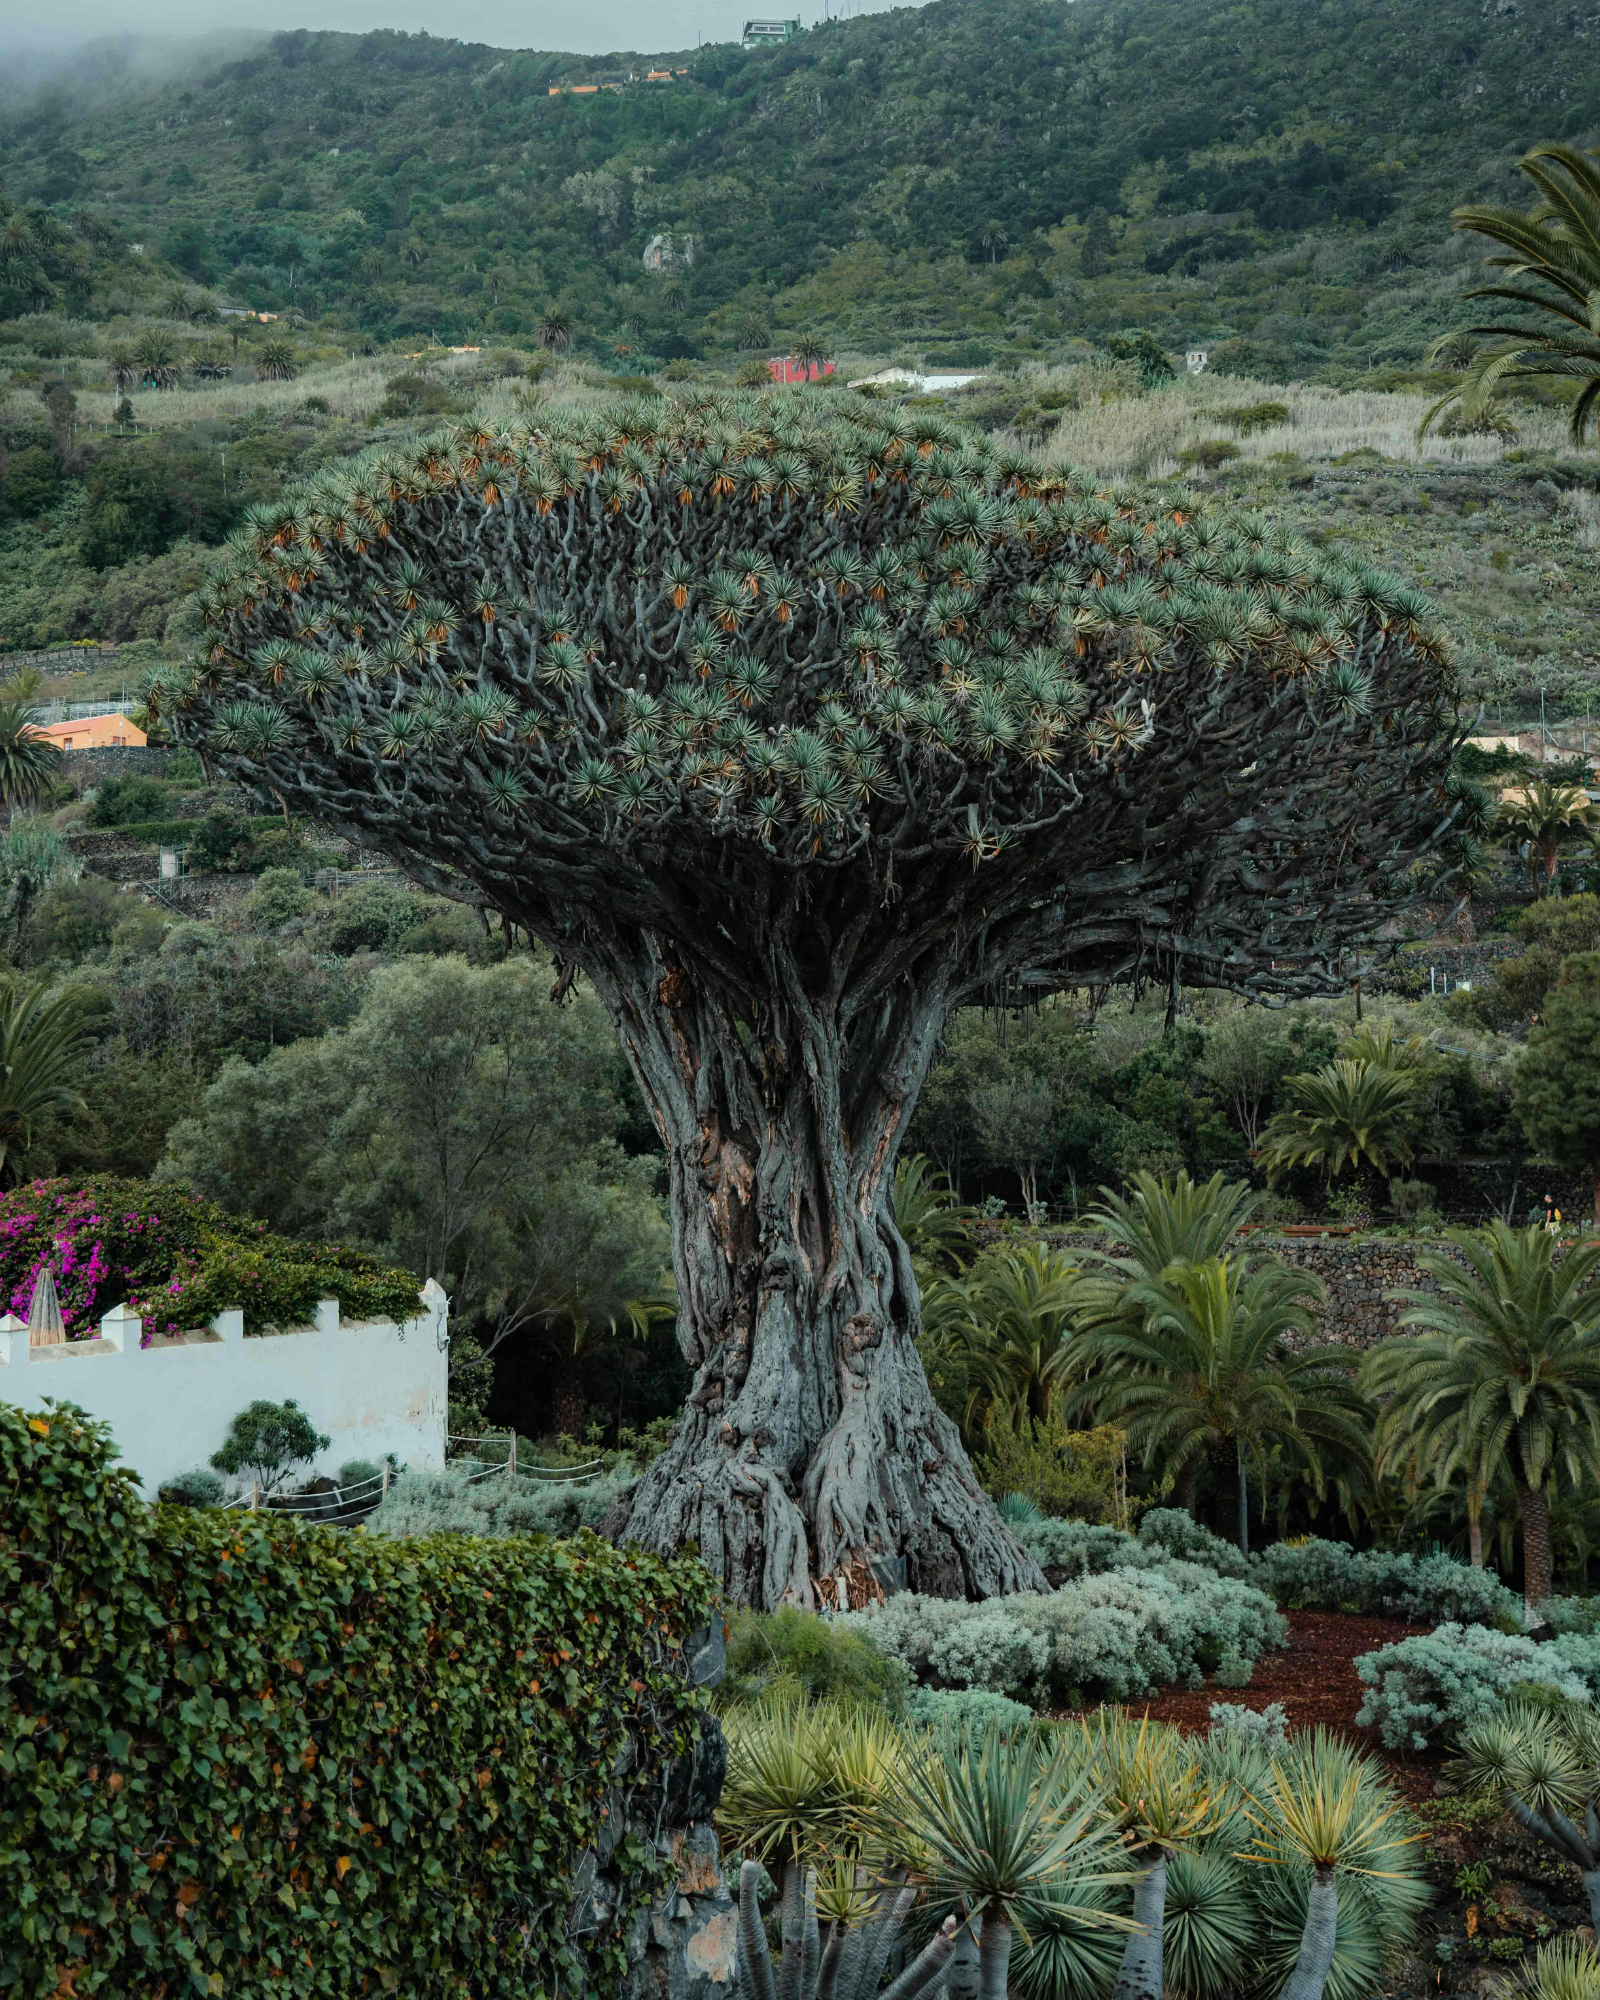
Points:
x=30 y=764
x=1503 y=1365
x=1250 y=1051
x=1218 y=1361
x=1555 y=1088
x=278 y=898
x=554 y=330
x=125 y=801
x=1551 y=258
x=269 y=1441
x=842 y=704
x=31 y=484
x=43 y=1043
x=464 y=1127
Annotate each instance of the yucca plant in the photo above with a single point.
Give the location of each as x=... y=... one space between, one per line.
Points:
x=1322 y=1808
x=864 y=1925
x=991 y=1822
x=1209 y=1927
x=1059 y=1953
x=1158 y=1804
x=783 y=1802
x=1543 y=1761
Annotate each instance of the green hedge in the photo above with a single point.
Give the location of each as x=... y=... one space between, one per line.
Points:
x=243 y=1757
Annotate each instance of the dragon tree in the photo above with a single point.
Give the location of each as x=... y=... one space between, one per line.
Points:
x=793 y=729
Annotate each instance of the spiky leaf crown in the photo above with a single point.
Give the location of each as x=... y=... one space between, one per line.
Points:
x=747 y=619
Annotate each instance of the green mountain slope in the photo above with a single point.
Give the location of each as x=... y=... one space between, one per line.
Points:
x=976 y=176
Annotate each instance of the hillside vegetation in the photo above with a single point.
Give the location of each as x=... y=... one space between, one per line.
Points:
x=970 y=178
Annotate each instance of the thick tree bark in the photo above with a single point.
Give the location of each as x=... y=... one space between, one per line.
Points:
x=1188 y=1480
x=809 y=1437
x=1535 y=1551
x=1242 y=1484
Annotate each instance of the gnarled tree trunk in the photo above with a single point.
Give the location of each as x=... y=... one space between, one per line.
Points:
x=809 y=1437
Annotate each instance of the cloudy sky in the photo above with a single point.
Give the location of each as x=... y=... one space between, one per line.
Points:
x=607 y=24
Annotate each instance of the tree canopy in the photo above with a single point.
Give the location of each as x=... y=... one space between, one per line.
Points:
x=795 y=729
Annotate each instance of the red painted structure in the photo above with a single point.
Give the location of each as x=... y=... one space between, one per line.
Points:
x=786 y=370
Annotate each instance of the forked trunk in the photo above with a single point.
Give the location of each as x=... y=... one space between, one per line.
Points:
x=1535 y=1552
x=809 y=1439
x=1141 y=1974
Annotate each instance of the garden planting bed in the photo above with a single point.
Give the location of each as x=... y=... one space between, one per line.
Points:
x=1315 y=1679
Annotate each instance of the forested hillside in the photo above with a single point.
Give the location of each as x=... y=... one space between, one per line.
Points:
x=972 y=178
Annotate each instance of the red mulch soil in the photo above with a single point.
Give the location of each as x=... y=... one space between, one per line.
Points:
x=1315 y=1679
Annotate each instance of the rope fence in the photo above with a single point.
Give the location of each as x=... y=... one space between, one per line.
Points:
x=344 y=1506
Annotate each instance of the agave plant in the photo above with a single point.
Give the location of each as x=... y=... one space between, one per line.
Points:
x=1323 y=1807
x=1544 y=1762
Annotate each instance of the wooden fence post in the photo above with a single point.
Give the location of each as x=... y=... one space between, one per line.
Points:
x=255 y=1496
x=385 y=1492
x=511 y=1461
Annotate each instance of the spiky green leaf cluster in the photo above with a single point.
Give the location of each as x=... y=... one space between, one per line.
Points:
x=786 y=623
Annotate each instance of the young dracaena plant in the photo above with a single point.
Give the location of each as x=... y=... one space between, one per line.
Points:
x=1318 y=1807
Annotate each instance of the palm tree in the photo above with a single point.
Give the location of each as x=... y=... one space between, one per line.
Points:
x=1325 y=1805
x=123 y=368
x=992 y=1821
x=554 y=330
x=1551 y=258
x=43 y=1044
x=30 y=763
x=810 y=352
x=157 y=359
x=1010 y=1323
x=1543 y=815
x=276 y=361
x=1350 y=1113
x=993 y=238
x=754 y=331
x=1503 y=1365
x=1218 y=1360
x=933 y=1225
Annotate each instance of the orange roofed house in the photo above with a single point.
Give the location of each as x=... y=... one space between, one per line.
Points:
x=92 y=732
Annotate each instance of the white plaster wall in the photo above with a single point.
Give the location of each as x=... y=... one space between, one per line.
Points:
x=373 y=1387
